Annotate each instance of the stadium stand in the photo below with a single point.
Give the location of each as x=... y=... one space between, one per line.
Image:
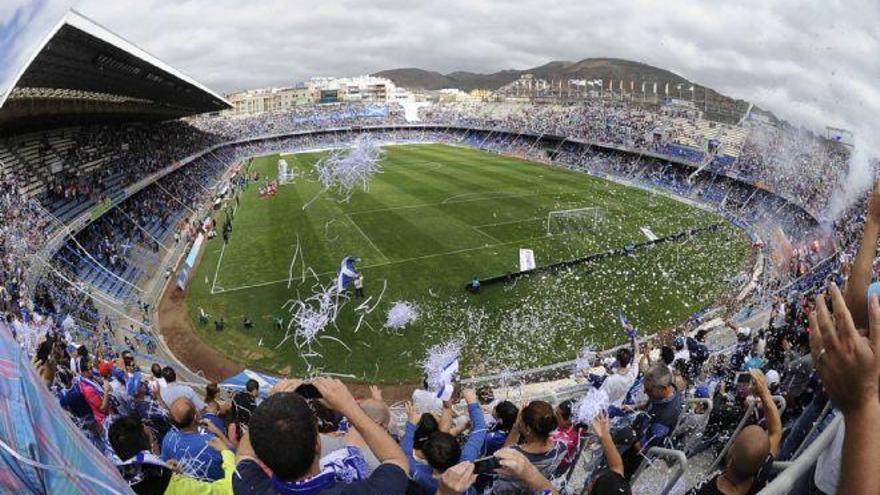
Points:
x=97 y=186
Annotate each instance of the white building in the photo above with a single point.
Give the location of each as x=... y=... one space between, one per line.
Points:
x=360 y=88
x=269 y=99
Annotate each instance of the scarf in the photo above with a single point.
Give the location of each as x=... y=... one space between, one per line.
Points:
x=344 y=465
x=144 y=465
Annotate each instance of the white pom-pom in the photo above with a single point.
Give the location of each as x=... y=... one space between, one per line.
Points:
x=401 y=314
x=440 y=364
x=584 y=359
x=589 y=406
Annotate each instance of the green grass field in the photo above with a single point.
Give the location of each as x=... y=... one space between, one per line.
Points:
x=434 y=218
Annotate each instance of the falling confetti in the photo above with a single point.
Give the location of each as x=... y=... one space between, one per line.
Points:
x=346 y=170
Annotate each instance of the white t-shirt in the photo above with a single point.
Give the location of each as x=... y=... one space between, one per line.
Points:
x=157 y=385
x=617 y=384
x=174 y=391
x=828 y=465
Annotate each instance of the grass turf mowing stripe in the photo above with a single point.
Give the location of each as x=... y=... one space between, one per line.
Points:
x=538 y=320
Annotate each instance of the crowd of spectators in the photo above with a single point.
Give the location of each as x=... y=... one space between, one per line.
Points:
x=301 y=118
x=803 y=368
x=747 y=406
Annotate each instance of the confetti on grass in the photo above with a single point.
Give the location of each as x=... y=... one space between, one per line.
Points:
x=401 y=314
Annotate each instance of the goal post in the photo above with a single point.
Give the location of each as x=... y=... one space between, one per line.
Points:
x=575 y=220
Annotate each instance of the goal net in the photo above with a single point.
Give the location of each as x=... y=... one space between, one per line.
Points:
x=576 y=220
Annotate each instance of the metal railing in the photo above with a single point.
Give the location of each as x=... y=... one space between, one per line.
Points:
x=792 y=474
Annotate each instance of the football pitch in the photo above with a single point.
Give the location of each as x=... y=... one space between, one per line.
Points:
x=434 y=218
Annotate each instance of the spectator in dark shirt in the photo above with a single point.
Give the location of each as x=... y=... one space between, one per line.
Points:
x=752 y=453
x=505 y=414
x=283 y=436
x=660 y=414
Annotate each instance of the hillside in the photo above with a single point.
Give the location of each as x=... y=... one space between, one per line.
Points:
x=718 y=106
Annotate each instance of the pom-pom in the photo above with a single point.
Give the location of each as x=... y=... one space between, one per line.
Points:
x=589 y=406
x=441 y=364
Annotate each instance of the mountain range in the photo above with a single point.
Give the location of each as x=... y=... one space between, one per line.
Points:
x=716 y=105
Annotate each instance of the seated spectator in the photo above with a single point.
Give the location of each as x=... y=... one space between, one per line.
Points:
x=215 y=409
x=243 y=404
x=188 y=443
x=283 y=436
x=441 y=450
x=660 y=414
x=149 y=475
x=617 y=384
x=566 y=432
x=752 y=453
x=151 y=413
x=531 y=437
x=379 y=413
x=610 y=481
x=174 y=390
x=505 y=414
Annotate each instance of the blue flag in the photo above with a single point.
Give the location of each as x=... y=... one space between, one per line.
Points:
x=630 y=330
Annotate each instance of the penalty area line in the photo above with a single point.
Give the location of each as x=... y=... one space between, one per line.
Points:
x=365 y=236
x=485 y=234
x=379 y=265
x=217 y=269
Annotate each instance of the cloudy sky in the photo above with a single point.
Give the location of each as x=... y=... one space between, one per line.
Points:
x=814 y=62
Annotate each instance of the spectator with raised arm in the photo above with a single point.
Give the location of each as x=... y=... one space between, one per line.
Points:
x=188 y=442
x=610 y=481
x=752 y=453
x=535 y=424
x=862 y=269
x=442 y=450
x=849 y=365
x=617 y=384
x=283 y=437
x=147 y=474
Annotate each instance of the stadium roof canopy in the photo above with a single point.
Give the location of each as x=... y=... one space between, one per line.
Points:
x=82 y=73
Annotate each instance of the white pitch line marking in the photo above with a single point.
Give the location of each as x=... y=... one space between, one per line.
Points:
x=507 y=223
x=217 y=270
x=425 y=205
x=378 y=265
x=477 y=230
x=484 y=196
x=366 y=237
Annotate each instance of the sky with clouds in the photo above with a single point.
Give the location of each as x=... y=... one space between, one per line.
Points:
x=813 y=62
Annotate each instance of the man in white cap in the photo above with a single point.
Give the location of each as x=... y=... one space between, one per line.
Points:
x=773 y=380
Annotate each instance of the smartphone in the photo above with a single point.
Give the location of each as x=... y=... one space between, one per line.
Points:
x=873 y=290
x=743 y=384
x=743 y=378
x=308 y=391
x=486 y=465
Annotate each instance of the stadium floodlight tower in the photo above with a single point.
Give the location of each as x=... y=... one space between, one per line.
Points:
x=574 y=220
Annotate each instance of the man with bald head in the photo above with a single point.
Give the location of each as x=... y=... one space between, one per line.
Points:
x=188 y=442
x=378 y=411
x=752 y=452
